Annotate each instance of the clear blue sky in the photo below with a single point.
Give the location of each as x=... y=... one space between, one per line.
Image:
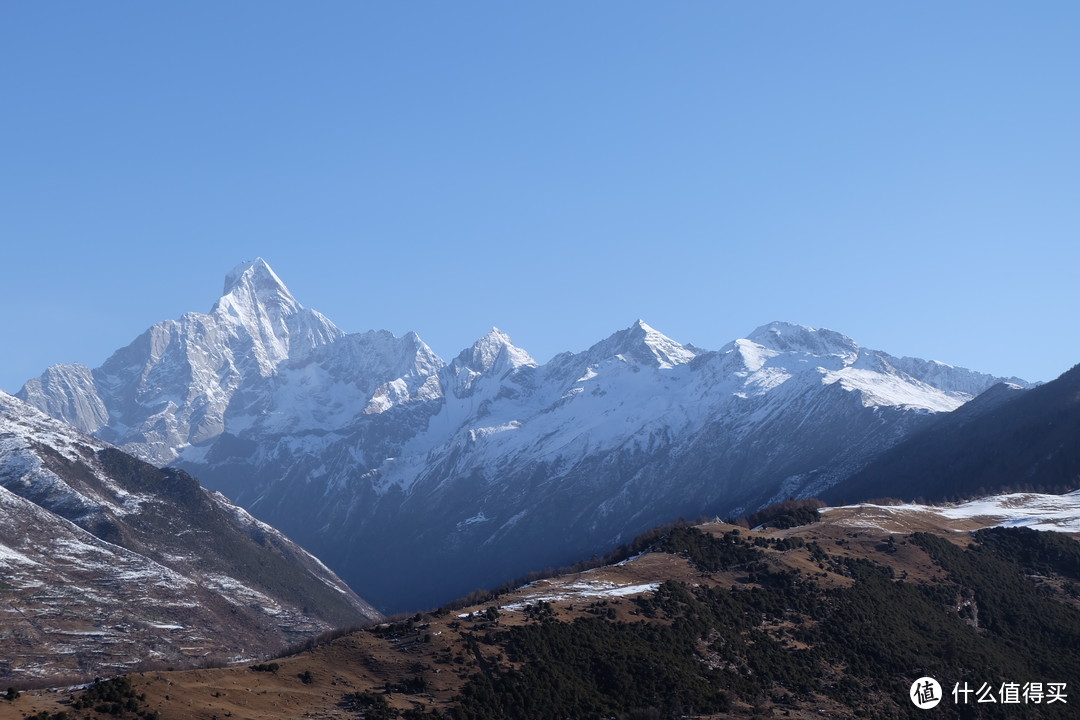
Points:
x=905 y=173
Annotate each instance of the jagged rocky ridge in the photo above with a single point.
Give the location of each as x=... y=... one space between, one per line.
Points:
x=417 y=480
x=107 y=562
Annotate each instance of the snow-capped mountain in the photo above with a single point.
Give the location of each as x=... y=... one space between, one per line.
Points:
x=417 y=480
x=170 y=388
x=106 y=561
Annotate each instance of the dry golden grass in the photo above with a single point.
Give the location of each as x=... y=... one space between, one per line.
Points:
x=438 y=649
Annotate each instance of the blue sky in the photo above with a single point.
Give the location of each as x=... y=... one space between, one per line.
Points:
x=905 y=173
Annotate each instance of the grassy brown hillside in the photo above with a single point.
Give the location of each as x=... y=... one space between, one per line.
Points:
x=109 y=564
x=831 y=619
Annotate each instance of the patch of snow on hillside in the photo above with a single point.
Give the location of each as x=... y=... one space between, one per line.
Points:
x=1031 y=510
x=584 y=589
x=8 y=555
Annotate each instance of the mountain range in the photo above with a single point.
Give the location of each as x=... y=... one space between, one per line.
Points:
x=418 y=479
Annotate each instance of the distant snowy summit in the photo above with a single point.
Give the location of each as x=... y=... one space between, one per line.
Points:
x=378 y=455
x=173 y=384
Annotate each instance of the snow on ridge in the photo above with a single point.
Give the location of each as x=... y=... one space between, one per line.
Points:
x=790 y=337
x=584 y=589
x=879 y=389
x=668 y=352
x=23 y=420
x=1036 y=511
x=575 y=591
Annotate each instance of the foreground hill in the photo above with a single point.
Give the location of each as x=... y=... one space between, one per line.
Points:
x=108 y=563
x=418 y=479
x=836 y=618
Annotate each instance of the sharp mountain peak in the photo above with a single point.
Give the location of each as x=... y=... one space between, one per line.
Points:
x=643 y=343
x=252 y=285
x=250 y=270
x=487 y=351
